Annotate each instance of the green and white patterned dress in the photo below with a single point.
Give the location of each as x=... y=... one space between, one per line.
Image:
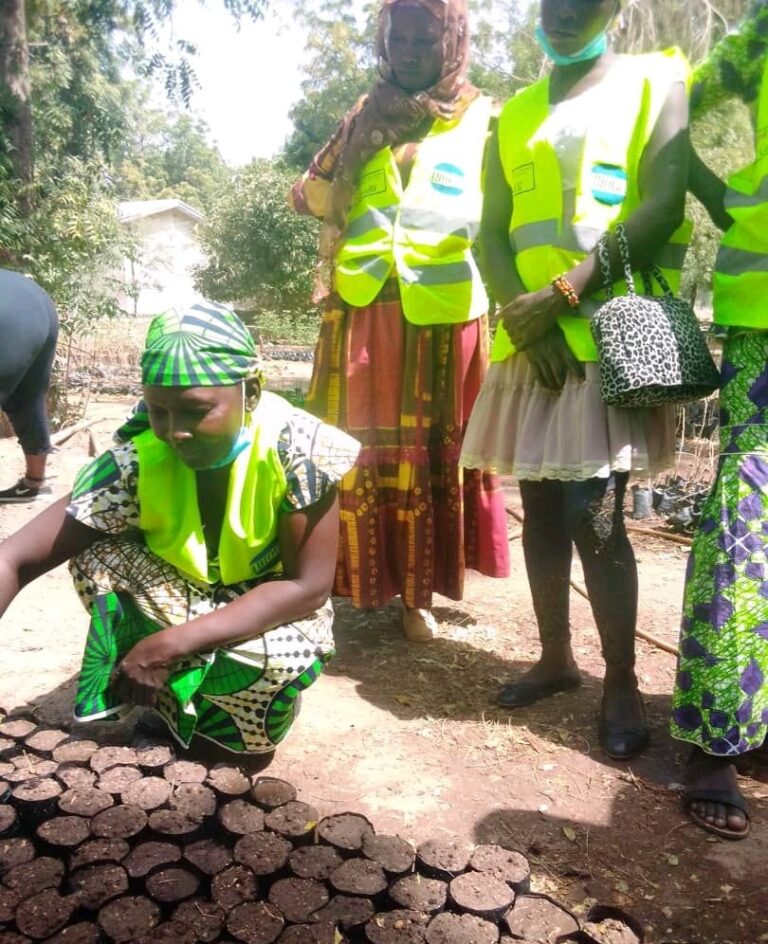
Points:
x=243 y=697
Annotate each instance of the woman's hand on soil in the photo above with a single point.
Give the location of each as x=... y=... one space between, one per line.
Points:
x=144 y=671
x=552 y=360
x=529 y=317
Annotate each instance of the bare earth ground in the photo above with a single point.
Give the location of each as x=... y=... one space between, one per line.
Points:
x=408 y=735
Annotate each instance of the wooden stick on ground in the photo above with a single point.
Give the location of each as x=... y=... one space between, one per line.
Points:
x=60 y=437
x=636 y=529
x=641 y=634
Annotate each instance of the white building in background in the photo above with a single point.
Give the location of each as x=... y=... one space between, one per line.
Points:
x=158 y=273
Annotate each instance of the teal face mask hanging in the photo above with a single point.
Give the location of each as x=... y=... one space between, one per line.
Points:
x=594 y=48
x=242 y=441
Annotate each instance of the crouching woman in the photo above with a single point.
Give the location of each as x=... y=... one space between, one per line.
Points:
x=203 y=545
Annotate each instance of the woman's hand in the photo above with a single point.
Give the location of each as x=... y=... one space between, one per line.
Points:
x=145 y=669
x=530 y=316
x=552 y=360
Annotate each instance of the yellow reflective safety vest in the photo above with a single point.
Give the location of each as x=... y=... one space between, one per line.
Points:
x=740 y=279
x=549 y=237
x=422 y=234
x=170 y=518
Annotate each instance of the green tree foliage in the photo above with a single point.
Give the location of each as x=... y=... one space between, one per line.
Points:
x=261 y=254
x=168 y=154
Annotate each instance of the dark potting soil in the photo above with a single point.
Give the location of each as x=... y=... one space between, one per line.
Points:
x=482 y=894
x=8 y=901
x=117 y=779
x=185 y=771
x=7 y=819
x=359 y=877
x=95 y=885
x=64 y=832
x=442 y=858
x=74 y=750
x=536 y=917
x=255 y=923
x=43 y=914
x=173 y=823
x=194 y=800
x=271 y=792
x=14 y=851
x=152 y=756
x=99 y=850
x=397 y=927
x=294 y=820
x=324 y=933
x=449 y=928
x=314 y=862
x=208 y=856
x=392 y=853
x=228 y=781
x=169 y=932
x=17 y=729
x=147 y=794
x=239 y=817
x=416 y=893
x=32 y=877
x=344 y=831
x=121 y=822
x=45 y=740
x=85 y=801
x=203 y=916
x=263 y=853
x=346 y=911
x=147 y=856
x=84 y=932
x=128 y=918
x=234 y=886
x=106 y=757
x=510 y=866
x=75 y=777
x=172 y=884
x=298 y=898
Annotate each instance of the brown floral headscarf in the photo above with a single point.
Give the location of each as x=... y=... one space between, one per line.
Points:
x=389 y=116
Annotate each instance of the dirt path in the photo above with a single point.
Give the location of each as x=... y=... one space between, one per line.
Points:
x=408 y=735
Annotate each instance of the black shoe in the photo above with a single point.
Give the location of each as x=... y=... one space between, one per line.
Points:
x=21 y=492
x=623 y=741
x=526 y=692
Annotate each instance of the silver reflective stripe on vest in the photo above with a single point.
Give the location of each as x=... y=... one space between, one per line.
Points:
x=577 y=238
x=374 y=266
x=580 y=238
x=734 y=199
x=447 y=274
x=430 y=221
x=375 y=218
x=731 y=261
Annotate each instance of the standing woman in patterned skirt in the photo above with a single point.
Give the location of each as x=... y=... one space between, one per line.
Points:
x=720 y=703
x=200 y=544
x=403 y=345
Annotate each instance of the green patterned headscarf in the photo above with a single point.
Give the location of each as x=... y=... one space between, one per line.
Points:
x=205 y=345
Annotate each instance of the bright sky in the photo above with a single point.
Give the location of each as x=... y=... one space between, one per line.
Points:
x=248 y=79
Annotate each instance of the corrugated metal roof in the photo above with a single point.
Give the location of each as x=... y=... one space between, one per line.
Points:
x=129 y=210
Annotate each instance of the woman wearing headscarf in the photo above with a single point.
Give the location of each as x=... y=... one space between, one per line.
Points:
x=199 y=544
x=402 y=348
x=601 y=140
x=720 y=703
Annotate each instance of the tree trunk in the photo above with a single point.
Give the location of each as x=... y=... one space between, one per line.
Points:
x=14 y=88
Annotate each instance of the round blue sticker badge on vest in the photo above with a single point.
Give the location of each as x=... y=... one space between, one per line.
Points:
x=447 y=179
x=608 y=183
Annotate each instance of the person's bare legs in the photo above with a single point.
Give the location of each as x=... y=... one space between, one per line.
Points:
x=34 y=475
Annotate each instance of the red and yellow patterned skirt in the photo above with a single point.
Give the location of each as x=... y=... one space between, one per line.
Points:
x=412 y=520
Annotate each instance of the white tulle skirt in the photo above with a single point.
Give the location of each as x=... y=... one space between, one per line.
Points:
x=521 y=428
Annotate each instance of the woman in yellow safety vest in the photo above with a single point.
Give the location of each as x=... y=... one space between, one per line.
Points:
x=720 y=704
x=403 y=345
x=601 y=140
x=199 y=544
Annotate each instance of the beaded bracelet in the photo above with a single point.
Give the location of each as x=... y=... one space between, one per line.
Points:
x=566 y=290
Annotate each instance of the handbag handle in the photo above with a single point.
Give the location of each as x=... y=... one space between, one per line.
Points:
x=648 y=273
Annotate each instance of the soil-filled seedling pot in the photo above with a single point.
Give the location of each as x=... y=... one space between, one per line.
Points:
x=539 y=918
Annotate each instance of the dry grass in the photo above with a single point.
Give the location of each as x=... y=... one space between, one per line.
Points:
x=113 y=343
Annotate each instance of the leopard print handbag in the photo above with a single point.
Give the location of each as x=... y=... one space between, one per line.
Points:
x=651 y=349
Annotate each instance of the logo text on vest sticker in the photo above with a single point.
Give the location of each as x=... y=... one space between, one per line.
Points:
x=523 y=179
x=447 y=179
x=608 y=183
x=371 y=184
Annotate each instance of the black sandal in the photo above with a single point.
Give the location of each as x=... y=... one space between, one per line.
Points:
x=731 y=798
